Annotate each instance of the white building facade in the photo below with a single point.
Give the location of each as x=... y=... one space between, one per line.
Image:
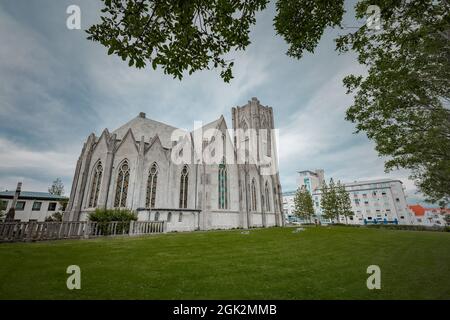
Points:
x=429 y=217
x=31 y=206
x=373 y=202
x=380 y=201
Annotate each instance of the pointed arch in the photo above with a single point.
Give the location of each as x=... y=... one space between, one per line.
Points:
x=123 y=179
x=267 y=192
x=96 y=180
x=184 y=180
x=253 y=192
x=152 y=181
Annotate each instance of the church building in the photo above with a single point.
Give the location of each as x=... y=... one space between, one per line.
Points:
x=211 y=177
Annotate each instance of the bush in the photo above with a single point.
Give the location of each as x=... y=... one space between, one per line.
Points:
x=56 y=217
x=396 y=227
x=409 y=227
x=110 y=215
x=104 y=217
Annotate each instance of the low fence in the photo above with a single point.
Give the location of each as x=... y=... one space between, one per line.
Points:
x=37 y=231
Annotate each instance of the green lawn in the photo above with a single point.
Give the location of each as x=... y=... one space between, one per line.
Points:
x=319 y=263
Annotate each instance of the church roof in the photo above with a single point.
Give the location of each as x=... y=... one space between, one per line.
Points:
x=141 y=126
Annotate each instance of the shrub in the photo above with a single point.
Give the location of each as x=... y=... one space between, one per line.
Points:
x=56 y=217
x=110 y=215
x=104 y=217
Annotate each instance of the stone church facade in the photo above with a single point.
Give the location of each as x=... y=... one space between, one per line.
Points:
x=160 y=172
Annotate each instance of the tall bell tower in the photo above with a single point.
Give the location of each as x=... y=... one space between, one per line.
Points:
x=253 y=126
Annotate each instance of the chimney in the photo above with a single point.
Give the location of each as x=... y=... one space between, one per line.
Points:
x=142 y=115
x=12 y=210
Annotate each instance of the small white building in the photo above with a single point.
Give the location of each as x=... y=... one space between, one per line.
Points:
x=31 y=206
x=429 y=217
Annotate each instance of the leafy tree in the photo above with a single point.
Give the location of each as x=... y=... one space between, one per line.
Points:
x=57 y=188
x=447 y=218
x=329 y=201
x=344 y=202
x=303 y=204
x=176 y=35
x=401 y=104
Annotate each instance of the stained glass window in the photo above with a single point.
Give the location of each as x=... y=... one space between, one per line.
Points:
x=184 y=179
x=267 y=197
x=223 y=192
x=123 y=179
x=95 y=184
x=152 y=181
x=253 y=195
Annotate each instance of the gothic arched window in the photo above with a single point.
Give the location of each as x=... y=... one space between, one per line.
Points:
x=253 y=195
x=223 y=192
x=157 y=216
x=184 y=179
x=150 y=197
x=95 y=184
x=123 y=178
x=169 y=217
x=267 y=197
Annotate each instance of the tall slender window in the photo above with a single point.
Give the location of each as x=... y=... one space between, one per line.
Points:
x=267 y=197
x=184 y=179
x=123 y=178
x=95 y=184
x=223 y=192
x=253 y=195
x=152 y=180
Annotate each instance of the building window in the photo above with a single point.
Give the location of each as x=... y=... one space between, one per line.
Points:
x=36 y=206
x=253 y=195
x=152 y=180
x=95 y=184
x=157 y=216
x=223 y=192
x=184 y=179
x=52 y=206
x=267 y=197
x=20 y=205
x=180 y=217
x=123 y=179
x=169 y=217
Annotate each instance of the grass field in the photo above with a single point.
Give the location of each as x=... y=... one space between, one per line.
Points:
x=319 y=263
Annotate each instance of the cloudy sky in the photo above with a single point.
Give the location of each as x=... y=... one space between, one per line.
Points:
x=56 y=87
